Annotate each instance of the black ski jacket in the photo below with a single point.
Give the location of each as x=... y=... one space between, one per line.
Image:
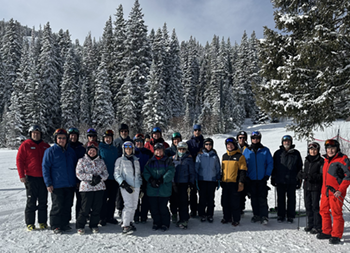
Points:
x=313 y=173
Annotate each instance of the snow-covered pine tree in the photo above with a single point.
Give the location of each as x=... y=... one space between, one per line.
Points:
x=155 y=110
x=175 y=96
x=120 y=60
x=11 y=57
x=138 y=57
x=69 y=93
x=84 y=110
x=306 y=63
x=102 y=112
x=48 y=74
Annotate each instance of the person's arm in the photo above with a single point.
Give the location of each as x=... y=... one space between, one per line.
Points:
x=21 y=163
x=118 y=171
x=46 y=167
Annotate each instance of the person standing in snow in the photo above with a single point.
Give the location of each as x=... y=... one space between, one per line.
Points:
x=29 y=158
x=92 y=172
x=260 y=164
x=128 y=175
x=78 y=147
x=60 y=178
x=336 y=179
x=287 y=163
x=184 y=175
x=242 y=145
x=195 y=145
x=156 y=138
x=159 y=173
x=312 y=176
x=234 y=168
x=118 y=143
x=109 y=153
x=208 y=175
x=143 y=154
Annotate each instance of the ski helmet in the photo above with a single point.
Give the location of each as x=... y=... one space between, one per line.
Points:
x=242 y=133
x=287 y=138
x=231 y=140
x=108 y=132
x=139 y=137
x=58 y=132
x=332 y=143
x=128 y=144
x=176 y=135
x=314 y=145
x=73 y=130
x=156 y=129
x=91 y=132
x=255 y=134
x=92 y=144
x=158 y=146
x=34 y=128
x=182 y=144
x=123 y=127
x=210 y=140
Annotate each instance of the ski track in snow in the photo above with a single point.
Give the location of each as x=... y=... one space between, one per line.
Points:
x=199 y=237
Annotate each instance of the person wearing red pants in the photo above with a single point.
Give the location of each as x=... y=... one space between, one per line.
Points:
x=336 y=179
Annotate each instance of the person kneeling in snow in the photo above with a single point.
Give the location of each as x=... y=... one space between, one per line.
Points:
x=336 y=179
x=128 y=175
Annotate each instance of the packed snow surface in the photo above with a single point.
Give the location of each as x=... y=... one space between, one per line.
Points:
x=199 y=237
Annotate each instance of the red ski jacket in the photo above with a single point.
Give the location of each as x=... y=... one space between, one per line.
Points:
x=150 y=145
x=30 y=157
x=339 y=164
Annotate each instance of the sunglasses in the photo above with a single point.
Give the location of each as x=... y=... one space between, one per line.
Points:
x=138 y=140
x=197 y=130
x=255 y=138
x=61 y=138
x=241 y=138
x=124 y=131
x=208 y=144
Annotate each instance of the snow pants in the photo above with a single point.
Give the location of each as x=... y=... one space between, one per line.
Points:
x=179 y=201
x=282 y=191
x=312 y=205
x=334 y=205
x=206 y=198
x=193 y=201
x=36 y=192
x=62 y=202
x=258 y=191
x=78 y=201
x=130 y=205
x=230 y=202
x=159 y=211
x=109 y=199
x=91 y=203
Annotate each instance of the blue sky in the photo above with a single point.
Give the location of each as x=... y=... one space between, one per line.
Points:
x=199 y=18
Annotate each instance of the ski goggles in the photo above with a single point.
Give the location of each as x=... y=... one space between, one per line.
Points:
x=287 y=138
x=73 y=130
x=91 y=132
x=60 y=131
x=331 y=143
x=92 y=144
x=128 y=145
x=313 y=146
x=256 y=135
x=228 y=140
x=156 y=129
x=176 y=135
x=34 y=128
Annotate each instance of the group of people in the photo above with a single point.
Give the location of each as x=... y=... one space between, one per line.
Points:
x=140 y=175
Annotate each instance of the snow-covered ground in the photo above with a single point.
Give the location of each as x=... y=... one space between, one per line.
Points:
x=199 y=237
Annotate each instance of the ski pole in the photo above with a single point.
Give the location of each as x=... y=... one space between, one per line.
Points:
x=299 y=208
x=333 y=191
x=275 y=199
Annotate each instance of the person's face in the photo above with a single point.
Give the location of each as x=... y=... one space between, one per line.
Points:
x=36 y=135
x=182 y=150
x=255 y=140
x=139 y=144
x=128 y=151
x=124 y=133
x=108 y=139
x=230 y=146
x=241 y=140
x=331 y=151
x=61 y=140
x=286 y=144
x=159 y=152
x=313 y=151
x=92 y=138
x=156 y=135
x=73 y=137
x=197 y=133
x=176 y=141
x=92 y=152
x=208 y=146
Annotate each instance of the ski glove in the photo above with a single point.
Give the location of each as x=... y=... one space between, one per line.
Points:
x=160 y=181
x=240 y=187
x=153 y=182
x=127 y=187
x=302 y=175
x=95 y=180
